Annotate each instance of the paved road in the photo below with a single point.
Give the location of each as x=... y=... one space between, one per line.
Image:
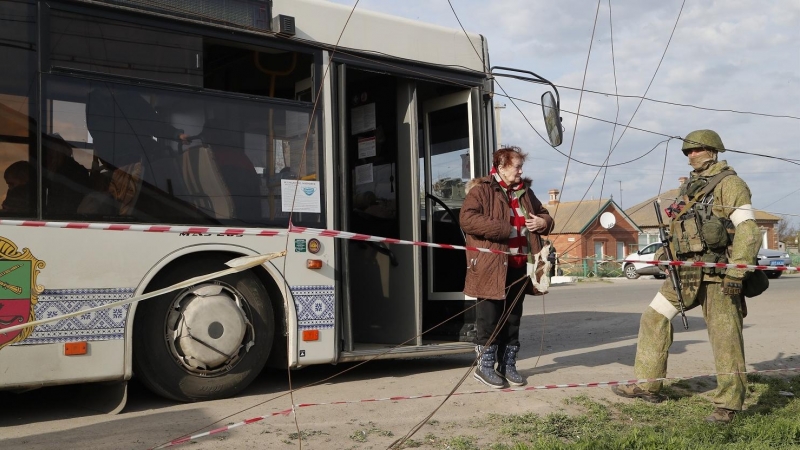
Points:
x=585 y=332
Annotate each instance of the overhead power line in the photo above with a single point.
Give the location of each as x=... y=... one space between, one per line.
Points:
x=686 y=105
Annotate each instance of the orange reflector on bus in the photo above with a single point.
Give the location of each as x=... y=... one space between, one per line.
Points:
x=310 y=335
x=313 y=264
x=75 y=348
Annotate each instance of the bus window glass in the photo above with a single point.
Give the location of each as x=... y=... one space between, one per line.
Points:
x=257 y=71
x=127 y=49
x=449 y=148
x=449 y=141
x=125 y=153
x=17 y=123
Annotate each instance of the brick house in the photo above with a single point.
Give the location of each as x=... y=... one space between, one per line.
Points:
x=578 y=234
x=644 y=215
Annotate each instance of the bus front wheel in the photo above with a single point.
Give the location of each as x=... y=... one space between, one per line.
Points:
x=205 y=342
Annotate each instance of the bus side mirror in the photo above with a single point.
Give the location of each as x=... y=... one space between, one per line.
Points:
x=552 y=119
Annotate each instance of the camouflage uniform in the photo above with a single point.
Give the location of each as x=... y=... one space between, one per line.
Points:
x=703 y=287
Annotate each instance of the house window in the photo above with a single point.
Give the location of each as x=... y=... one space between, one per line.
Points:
x=646 y=239
x=598 y=250
x=620 y=250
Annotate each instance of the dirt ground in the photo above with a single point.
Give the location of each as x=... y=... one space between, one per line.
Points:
x=584 y=332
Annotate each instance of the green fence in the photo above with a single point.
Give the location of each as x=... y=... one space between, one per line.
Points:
x=593 y=266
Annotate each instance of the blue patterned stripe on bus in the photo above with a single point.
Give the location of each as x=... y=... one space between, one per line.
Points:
x=107 y=324
x=314 y=305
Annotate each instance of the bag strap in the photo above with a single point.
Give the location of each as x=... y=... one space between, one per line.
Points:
x=519 y=194
x=712 y=183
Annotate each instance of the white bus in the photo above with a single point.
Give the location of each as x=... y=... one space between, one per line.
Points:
x=210 y=113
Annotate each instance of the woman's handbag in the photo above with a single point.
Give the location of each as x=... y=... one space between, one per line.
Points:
x=539 y=269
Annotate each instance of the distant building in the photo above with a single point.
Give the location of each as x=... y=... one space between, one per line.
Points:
x=578 y=233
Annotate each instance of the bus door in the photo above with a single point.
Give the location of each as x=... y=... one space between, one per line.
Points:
x=406 y=153
x=381 y=290
x=446 y=163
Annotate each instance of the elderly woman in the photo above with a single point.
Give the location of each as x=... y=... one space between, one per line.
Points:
x=501 y=213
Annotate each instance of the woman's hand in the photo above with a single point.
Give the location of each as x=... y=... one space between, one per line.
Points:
x=535 y=223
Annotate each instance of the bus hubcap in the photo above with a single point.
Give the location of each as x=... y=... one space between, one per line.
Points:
x=208 y=328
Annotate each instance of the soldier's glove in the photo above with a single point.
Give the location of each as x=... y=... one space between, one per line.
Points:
x=731 y=286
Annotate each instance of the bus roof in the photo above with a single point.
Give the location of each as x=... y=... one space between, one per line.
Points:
x=368 y=31
x=321 y=22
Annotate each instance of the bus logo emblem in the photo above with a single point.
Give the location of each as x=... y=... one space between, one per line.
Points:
x=18 y=290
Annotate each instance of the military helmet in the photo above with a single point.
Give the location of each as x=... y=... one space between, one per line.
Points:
x=703 y=139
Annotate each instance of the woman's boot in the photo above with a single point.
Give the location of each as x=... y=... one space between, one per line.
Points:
x=484 y=372
x=508 y=366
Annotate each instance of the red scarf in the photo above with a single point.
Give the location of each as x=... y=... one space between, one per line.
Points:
x=518 y=241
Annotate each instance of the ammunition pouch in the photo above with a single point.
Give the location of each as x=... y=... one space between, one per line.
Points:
x=686 y=237
x=711 y=257
x=715 y=232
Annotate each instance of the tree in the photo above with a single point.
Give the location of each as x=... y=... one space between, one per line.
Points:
x=786 y=230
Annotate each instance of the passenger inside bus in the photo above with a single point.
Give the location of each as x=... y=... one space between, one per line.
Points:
x=65 y=181
x=126 y=129
x=137 y=164
x=18 y=177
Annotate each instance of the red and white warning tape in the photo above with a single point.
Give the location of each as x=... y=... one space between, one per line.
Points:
x=143 y=228
x=243 y=231
x=286 y=412
x=721 y=265
x=366 y=237
x=322 y=232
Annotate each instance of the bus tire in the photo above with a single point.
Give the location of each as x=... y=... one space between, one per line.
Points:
x=160 y=361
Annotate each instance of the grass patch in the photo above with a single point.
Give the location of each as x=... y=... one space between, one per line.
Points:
x=771 y=420
x=450 y=443
x=303 y=434
x=363 y=434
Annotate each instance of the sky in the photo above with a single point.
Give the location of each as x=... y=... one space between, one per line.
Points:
x=739 y=55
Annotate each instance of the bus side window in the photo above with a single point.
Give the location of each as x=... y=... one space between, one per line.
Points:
x=18 y=107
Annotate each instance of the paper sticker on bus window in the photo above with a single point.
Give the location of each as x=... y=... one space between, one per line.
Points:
x=364 y=174
x=366 y=147
x=300 y=196
x=362 y=119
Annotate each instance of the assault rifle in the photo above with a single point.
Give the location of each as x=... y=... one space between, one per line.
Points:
x=673 y=271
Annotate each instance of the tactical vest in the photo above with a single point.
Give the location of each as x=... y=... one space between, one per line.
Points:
x=698 y=234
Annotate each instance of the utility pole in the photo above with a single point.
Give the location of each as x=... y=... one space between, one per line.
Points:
x=620 y=192
x=497 y=127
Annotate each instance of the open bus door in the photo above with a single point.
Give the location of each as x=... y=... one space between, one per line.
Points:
x=447 y=163
x=406 y=153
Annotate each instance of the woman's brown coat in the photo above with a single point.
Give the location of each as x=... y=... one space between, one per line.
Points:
x=485 y=219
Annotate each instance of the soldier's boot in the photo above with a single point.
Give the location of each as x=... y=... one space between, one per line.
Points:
x=721 y=415
x=484 y=372
x=634 y=391
x=507 y=367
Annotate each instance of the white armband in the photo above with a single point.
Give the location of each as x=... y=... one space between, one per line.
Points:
x=744 y=212
x=663 y=306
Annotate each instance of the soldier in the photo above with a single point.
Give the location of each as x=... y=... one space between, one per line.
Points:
x=715 y=201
